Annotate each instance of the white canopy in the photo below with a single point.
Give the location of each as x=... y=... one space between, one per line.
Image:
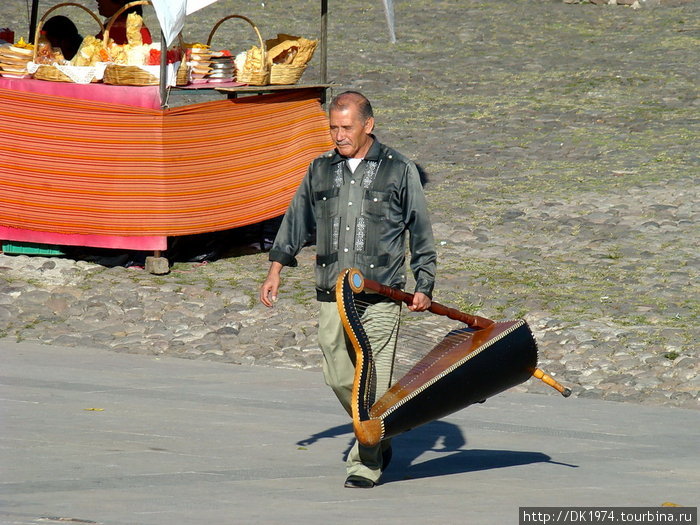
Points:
x=171 y=14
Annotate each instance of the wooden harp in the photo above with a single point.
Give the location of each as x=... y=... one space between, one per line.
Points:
x=464 y=367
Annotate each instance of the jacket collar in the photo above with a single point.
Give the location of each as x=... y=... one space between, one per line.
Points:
x=373 y=154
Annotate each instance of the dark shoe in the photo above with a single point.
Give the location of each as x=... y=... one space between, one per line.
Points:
x=386 y=458
x=358 y=482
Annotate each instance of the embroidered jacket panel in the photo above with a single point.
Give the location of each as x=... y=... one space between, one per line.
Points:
x=361 y=220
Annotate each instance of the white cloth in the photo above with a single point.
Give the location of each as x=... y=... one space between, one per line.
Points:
x=171 y=15
x=389 y=13
x=78 y=74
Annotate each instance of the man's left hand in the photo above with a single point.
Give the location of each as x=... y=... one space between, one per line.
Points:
x=421 y=302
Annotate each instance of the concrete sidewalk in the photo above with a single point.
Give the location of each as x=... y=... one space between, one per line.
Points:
x=92 y=436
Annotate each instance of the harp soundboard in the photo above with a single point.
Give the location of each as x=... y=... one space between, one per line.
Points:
x=435 y=373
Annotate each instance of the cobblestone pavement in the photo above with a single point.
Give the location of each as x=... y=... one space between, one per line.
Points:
x=561 y=145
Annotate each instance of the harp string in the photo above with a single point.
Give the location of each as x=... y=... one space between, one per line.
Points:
x=418 y=334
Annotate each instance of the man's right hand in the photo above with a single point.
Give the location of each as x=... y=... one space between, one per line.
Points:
x=270 y=288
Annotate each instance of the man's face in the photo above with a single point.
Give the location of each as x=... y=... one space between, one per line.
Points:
x=351 y=136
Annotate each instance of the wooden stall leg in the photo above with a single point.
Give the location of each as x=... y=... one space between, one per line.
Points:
x=156 y=264
x=261 y=236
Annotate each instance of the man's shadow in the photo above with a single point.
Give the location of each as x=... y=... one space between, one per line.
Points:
x=443 y=438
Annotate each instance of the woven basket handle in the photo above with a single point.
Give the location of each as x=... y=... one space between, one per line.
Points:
x=115 y=16
x=255 y=28
x=40 y=24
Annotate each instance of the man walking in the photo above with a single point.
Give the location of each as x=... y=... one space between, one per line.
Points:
x=362 y=200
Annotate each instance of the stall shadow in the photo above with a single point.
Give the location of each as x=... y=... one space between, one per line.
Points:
x=443 y=438
x=199 y=248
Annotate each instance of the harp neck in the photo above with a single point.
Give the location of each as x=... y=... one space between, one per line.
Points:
x=472 y=321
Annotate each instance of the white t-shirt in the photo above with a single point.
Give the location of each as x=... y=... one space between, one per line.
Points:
x=353 y=164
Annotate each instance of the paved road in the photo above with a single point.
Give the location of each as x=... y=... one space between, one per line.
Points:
x=95 y=436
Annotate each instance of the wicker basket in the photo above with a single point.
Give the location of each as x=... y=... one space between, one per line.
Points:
x=288 y=56
x=120 y=75
x=183 y=74
x=285 y=74
x=124 y=75
x=182 y=77
x=49 y=72
x=256 y=75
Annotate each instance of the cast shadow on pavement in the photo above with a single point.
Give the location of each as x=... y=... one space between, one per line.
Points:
x=444 y=440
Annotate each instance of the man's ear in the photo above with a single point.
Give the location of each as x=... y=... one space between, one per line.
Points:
x=369 y=125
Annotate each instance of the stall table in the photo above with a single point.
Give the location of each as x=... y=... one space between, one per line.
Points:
x=105 y=166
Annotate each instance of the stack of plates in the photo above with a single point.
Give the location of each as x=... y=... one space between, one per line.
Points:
x=223 y=68
x=13 y=61
x=199 y=61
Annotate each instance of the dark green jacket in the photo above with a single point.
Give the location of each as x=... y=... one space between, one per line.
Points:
x=360 y=221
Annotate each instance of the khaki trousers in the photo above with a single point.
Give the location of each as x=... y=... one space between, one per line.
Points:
x=339 y=371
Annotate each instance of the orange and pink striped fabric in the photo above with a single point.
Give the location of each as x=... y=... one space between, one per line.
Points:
x=81 y=167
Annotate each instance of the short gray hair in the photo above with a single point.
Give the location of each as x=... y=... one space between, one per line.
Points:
x=349 y=98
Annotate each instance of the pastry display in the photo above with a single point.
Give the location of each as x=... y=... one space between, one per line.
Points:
x=135 y=52
x=249 y=62
x=89 y=53
x=198 y=58
x=290 y=50
x=14 y=59
x=134 y=23
x=44 y=51
x=285 y=56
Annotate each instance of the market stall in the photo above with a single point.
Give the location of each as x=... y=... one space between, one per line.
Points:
x=112 y=166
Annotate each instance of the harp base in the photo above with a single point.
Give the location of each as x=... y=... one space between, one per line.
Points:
x=370 y=432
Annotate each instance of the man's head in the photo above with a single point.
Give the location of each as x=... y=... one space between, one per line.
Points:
x=351 y=122
x=62 y=33
x=108 y=8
